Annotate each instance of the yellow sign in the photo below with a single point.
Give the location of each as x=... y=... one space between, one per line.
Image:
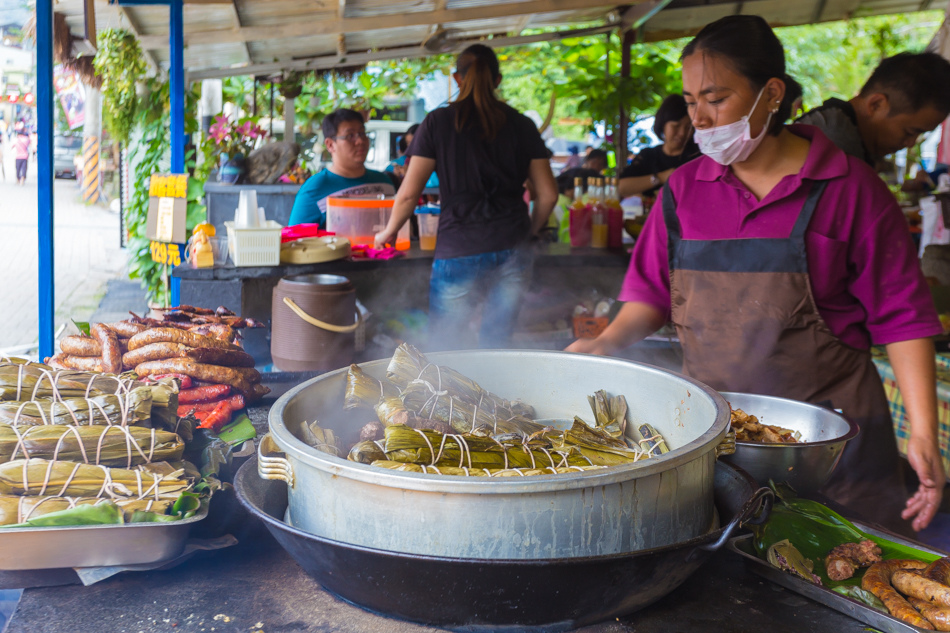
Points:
x=167 y=208
x=168 y=186
x=162 y=253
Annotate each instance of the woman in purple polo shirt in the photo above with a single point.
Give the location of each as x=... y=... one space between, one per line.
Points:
x=780 y=260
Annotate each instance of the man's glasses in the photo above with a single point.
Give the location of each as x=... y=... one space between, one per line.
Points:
x=352 y=137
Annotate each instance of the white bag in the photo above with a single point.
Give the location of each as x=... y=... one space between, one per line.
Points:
x=932 y=227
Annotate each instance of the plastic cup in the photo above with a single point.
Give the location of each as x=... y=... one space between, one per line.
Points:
x=246 y=216
x=428 y=230
x=219 y=249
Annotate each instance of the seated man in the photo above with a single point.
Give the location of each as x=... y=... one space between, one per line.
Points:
x=907 y=95
x=594 y=164
x=346 y=140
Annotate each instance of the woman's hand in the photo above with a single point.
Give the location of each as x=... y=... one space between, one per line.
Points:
x=385 y=238
x=924 y=457
x=596 y=346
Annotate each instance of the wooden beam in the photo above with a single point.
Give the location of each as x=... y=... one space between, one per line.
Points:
x=237 y=25
x=303 y=27
x=523 y=23
x=342 y=12
x=330 y=61
x=636 y=16
x=819 y=10
x=150 y=58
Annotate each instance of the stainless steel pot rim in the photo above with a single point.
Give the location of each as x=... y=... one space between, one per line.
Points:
x=298 y=450
x=853 y=428
x=522 y=562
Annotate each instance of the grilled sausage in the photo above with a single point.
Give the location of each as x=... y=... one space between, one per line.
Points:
x=939 y=571
x=87 y=346
x=258 y=391
x=155 y=351
x=111 y=354
x=173 y=335
x=215 y=330
x=877 y=580
x=208 y=373
x=916 y=585
x=127 y=329
x=250 y=374
x=76 y=363
x=938 y=616
x=226 y=357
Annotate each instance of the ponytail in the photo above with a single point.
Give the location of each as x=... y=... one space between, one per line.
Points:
x=479 y=72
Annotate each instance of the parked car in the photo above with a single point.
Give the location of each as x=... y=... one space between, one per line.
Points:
x=65 y=149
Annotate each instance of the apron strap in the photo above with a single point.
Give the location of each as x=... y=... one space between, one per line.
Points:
x=808 y=210
x=673 y=229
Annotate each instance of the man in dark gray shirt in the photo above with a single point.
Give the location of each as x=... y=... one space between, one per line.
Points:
x=907 y=95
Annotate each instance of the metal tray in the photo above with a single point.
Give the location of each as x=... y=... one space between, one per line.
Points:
x=93 y=545
x=742 y=545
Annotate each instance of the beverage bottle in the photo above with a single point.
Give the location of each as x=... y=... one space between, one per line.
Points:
x=614 y=216
x=580 y=220
x=598 y=234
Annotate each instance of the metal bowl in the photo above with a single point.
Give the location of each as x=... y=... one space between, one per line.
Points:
x=806 y=466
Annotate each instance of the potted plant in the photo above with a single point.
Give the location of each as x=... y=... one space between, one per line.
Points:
x=232 y=142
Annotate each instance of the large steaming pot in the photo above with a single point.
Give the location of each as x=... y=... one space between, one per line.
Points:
x=649 y=504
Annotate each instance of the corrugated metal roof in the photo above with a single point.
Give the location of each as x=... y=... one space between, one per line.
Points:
x=262 y=36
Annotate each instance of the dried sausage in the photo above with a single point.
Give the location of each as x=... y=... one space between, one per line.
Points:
x=938 y=616
x=226 y=357
x=939 y=570
x=87 y=346
x=173 y=335
x=155 y=351
x=208 y=373
x=127 y=329
x=111 y=354
x=916 y=585
x=877 y=580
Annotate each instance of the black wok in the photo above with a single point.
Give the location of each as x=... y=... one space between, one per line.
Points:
x=497 y=595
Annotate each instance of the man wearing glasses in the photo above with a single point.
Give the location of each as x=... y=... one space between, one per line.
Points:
x=346 y=140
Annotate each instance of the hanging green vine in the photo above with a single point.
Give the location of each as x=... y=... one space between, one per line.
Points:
x=151 y=150
x=121 y=66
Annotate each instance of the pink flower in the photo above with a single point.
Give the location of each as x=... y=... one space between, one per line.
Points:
x=246 y=129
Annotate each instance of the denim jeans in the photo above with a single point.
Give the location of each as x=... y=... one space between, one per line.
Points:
x=461 y=286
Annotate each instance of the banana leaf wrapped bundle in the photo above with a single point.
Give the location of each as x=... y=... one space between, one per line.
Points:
x=106 y=445
x=409 y=365
x=17 y=509
x=322 y=439
x=598 y=446
x=366 y=452
x=20 y=381
x=610 y=414
x=132 y=407
x=422 y=400
x=42 y=478
x=362 y=390
x=423 y=446
x=481 y=472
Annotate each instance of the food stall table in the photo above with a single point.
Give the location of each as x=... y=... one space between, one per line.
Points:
x=256 y=586
x=899 y=414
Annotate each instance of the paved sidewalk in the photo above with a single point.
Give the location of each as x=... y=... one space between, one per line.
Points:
x=86 y=256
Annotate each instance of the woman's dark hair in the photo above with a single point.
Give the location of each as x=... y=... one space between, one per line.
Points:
x=332 y=122
x=748 y=43
x=673 y=108
x=478 y=70
x=412 y=128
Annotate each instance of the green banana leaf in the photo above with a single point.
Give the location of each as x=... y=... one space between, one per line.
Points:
x=98 y=514
x=239 y=431
x=815 y=529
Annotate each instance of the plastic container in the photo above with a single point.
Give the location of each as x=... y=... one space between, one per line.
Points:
x=360 y=218
x=428 y=218
x=254 y=247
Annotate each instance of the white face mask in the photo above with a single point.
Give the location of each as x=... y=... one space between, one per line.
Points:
x=732 y=143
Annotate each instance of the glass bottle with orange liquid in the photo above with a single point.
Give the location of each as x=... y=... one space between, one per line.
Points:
x=614 y=215
x=580 y=217
x=598 y=234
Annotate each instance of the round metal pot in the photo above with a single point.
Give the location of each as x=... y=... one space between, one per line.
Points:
x=806 y=466
x=643 y=505
x=501 y=595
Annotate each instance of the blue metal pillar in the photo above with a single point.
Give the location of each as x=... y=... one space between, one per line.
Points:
x=176 y=75
x=44 y=162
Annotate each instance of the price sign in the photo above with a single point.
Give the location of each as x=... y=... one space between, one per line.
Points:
x=169 y=254
x=167 y=207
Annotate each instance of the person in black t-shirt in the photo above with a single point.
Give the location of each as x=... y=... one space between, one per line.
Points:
x=483 y=151
x=651 y=168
